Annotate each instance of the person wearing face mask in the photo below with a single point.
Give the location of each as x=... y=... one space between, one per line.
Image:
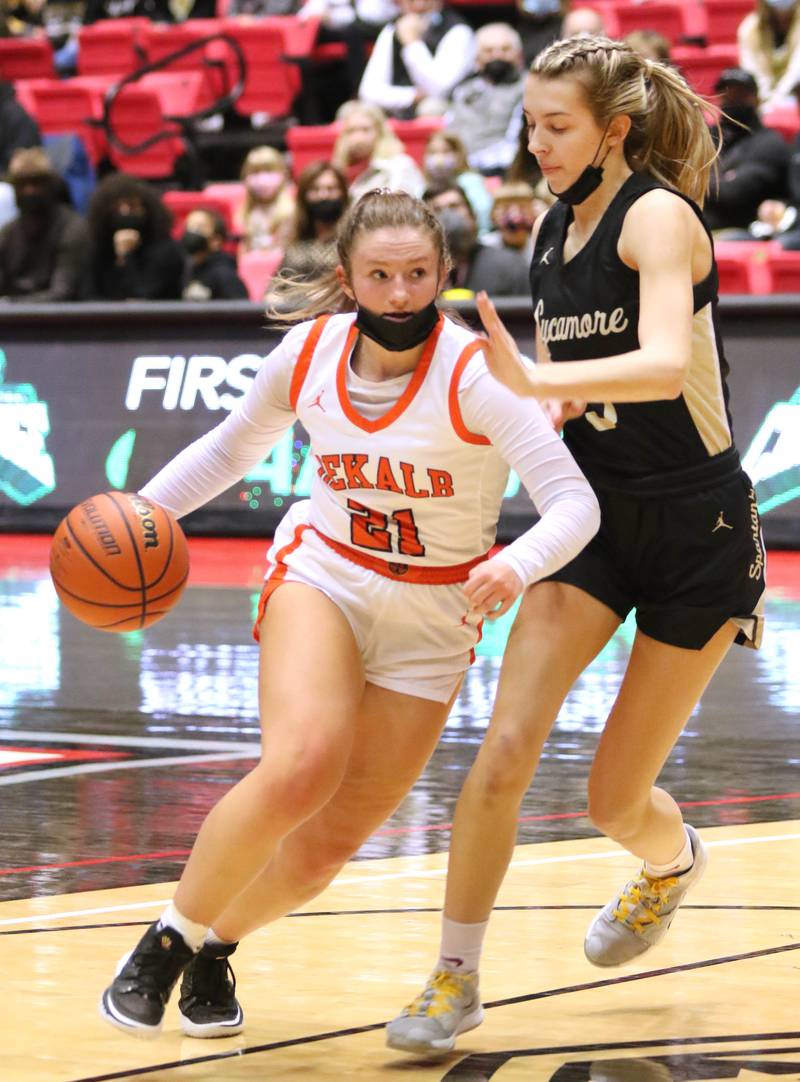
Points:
x=486 y=109
x=322 y=200
x=753 y=162
x=264 y=220
x=444 y=161
x=133 y=255
x=210 y=271
x=369 y=614
x=516 y=207
x=44 y=250
x=475 y=266
x=538 y=22
x=418 y=60
x=769 y=48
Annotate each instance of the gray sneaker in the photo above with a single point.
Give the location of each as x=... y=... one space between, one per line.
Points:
x=450 y=1004
x=639 y=917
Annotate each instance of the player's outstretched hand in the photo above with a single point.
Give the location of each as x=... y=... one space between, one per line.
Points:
x=492 y=588
x=502 y=356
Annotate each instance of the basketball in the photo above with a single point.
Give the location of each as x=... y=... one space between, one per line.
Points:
x=119 y=562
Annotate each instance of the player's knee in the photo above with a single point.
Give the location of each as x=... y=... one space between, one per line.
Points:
x=314 y=866
x=298 y=780
x=611 y=812
x=504 y=768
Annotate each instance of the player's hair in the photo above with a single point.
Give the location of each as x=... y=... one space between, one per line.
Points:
x=293 y=301
x=669 y=136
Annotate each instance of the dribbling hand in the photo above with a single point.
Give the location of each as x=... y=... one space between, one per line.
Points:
x=558 y=413
x=492 y=588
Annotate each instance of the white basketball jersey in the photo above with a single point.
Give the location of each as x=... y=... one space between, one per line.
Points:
x=412 y=489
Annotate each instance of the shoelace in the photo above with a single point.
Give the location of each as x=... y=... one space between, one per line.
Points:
x=211 y=982
x=439 y=993
x=149 y=967
x=642 y=900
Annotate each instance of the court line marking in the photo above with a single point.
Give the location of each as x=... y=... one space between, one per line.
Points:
x=190 y=743
x=687 y=907
x=426 y=873
x=125 y=764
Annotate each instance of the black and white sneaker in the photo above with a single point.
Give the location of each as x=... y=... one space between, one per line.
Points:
x=136 y=998
x=208 y=1003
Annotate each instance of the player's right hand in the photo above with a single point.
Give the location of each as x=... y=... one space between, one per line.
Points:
x=492 y=588
x=558 y=413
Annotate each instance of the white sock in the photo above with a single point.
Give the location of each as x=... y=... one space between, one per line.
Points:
x=193 y=933
x=212 y=939
x=461 y=946
x=681 y=863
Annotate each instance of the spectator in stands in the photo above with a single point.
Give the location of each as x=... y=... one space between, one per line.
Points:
x=418 y=60
x=17 y=126
x=475 y=266
x=538 y=23
x=44 y=250
x=753 y=161
x=322 y=199
x=486 y=109
x=8 y=204
x=373 y=15
x=266 y=215
x=210 y=273
x=649 y=43
x=133 y=255
x=516 y=207
x=445 y=162
x=769 y=48
x=779 y=220
x=58 y=20
x=157 y=10
x=370 y=155
x=582 y=23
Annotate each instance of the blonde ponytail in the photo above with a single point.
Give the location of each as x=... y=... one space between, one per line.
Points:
x=669 y=136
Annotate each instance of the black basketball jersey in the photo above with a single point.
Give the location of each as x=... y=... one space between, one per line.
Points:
x=589 y=308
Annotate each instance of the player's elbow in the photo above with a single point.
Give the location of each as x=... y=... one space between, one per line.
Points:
x=672 y=376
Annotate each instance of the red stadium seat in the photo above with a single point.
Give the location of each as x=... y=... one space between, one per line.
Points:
x=26 y=58
x=111 y=46
x=136 y=115
x=181 y=204
x=786 y=120
x=722 y=18
x=310 y=143
x=257 y=269
x=668 y=17
x=702 y=67
x=784 y=271
x=414 y=134
x=179 y=92
x=271 y=82
x=69 y=107
x=232 y=193
x=742 y=265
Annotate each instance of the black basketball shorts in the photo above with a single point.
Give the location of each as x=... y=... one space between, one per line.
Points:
x=687 y=563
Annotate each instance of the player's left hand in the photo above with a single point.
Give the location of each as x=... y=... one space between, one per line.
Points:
x=503 y=359
x=492 y=588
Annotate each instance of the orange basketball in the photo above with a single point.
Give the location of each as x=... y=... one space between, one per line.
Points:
x=119 y=562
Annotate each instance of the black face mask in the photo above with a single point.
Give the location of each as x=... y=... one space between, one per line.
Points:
x=398 y=335
x=744 y=114
x=194 y=243
x=128 y=221
x=587 y=183
x=500 y=71
x=326 y=210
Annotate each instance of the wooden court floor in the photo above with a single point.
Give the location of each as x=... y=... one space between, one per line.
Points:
x=112 y=748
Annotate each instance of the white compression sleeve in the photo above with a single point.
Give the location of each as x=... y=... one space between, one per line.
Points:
x=523 y=437
x=224 y=455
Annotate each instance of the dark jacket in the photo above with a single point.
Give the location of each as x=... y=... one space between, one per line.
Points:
x=215 y=279
x=17 y=127
x=754 y=168
x=501 y=272
x=49 y=264
x=153 y=272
